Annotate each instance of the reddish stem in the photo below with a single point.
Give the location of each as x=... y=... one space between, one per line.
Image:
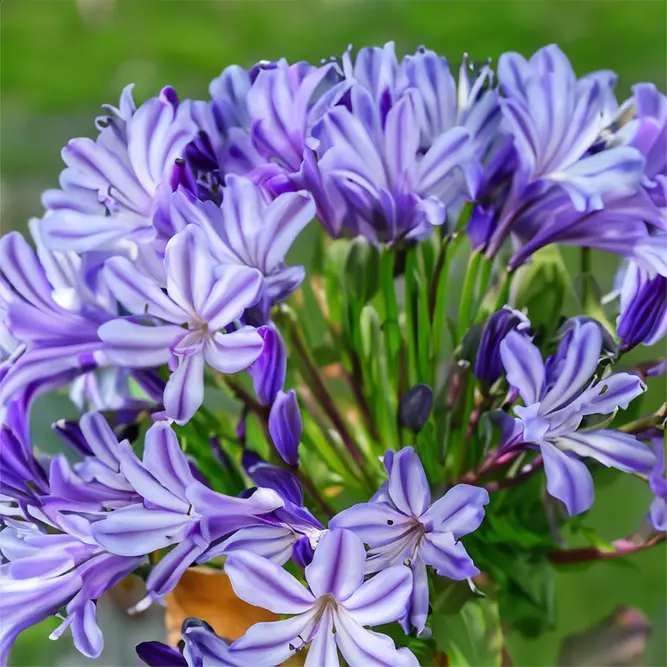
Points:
x=623 y=547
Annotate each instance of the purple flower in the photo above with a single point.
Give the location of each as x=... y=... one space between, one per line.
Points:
x=658 y=484
x=249 y=231
x=443 y=104
x=370 y=172
x=268 y=372
x=289 y=531
x=201 y=294
x=174 y=509
x=286 y=426
x=648 y=133
x=556 y=119
x=557 y=396
x=643 y=317
x=401 y=525
x=96 y=483
x=10 y=347
x=330 y=614
x=53 y=310
x=116 y=188
x=22 y=478
x=258 y=123
x=488 y=366
x=561 y=178
x=629 y=226
x=200 y=646
x=42 y=572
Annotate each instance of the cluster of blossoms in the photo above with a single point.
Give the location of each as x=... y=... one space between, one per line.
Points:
x=158 y=277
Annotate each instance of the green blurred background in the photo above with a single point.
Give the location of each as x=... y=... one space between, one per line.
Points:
x=61 y=59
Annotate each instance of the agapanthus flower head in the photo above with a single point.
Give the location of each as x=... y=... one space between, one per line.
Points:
x=327 y=616
x=207 y=297
x=557 y=395
x=116 y=187
x=402 y=526
x=643 y=317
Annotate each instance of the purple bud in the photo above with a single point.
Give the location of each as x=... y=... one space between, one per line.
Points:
x=286 y=427
x=268 y=372
x=302 y=552
x=488 y=365
x=415 y=407
x=157 y=654
x=643 y=316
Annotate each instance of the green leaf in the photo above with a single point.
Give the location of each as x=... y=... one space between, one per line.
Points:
x=472 y=637
x=391 y=324
x=449 y=595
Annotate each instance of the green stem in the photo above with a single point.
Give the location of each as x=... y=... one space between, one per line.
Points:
x=468 y=294
x=503 y=294
x=484 y=279
x=585 y=271
x=645 y=423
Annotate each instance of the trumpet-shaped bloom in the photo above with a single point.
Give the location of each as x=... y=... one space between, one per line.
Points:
x=290 y=531
x=96 y=483
x=556 y=119
x=53 y=311
x=174 y=509
x=557 y=395
x=116 y=187
x=564 y=174
x=43 y=572
x=371 y=176
x=401 y=525
x=249 y=231
x=443 y=102
x=329 y=615
x=206 y=297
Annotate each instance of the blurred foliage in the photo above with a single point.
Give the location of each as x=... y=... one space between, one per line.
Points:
x=64 y=58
